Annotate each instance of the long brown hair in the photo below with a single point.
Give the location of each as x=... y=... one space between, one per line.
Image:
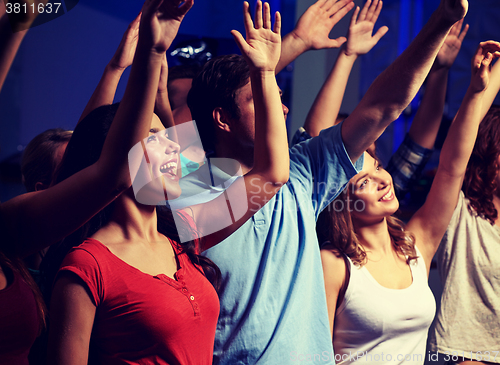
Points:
x=479 y=184
x=15 y=264
x=335 y=225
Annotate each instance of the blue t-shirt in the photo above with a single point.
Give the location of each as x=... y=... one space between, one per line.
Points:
x=272 y=298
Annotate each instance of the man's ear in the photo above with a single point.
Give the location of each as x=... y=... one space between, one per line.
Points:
x=40 y=186
x=221 y=119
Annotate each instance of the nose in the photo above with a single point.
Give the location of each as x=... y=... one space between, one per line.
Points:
x=285 y=110
x=384 y=179
x=171 y=146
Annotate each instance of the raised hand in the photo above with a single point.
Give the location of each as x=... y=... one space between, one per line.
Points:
x=454 y=10
x=161 y=20
x=315 y=25
x=481 y=64
x=124 y=54
x=22 y=20
x=451 y=46
x=359 y=38
x=262 y=46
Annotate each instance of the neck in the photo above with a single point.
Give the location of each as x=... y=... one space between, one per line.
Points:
x=133 y=221
x=374 y=237
x=242 y=154
x=496 y=203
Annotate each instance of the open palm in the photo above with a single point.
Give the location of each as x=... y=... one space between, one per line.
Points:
x=359 y=38
x=262 y=47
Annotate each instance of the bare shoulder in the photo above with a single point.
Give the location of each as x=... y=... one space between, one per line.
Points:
x=334 y=266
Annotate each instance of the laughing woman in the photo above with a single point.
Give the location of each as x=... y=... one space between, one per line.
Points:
x=380 y=306
x=131 y=293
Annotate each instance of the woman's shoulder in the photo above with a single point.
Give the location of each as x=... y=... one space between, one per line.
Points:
x=334 y=262
x=90 y=252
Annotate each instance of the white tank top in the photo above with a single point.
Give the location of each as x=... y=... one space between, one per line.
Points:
x=378 y=325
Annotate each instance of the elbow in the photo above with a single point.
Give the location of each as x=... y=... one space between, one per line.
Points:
x=278 y=178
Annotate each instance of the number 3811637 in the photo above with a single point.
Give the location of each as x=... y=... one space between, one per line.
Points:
x=17 y=8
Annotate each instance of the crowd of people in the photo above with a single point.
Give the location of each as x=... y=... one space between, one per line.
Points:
x=177 y=226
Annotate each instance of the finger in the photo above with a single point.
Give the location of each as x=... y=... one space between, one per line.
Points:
x=455 y=30
x=338 y=15
x=240 y=41
x=184 y=8
x=247 y=18
x=277 y=23
x=267 y=16
x=364 y=11
x=334 y=7
x=478 y=56
x=380 y=33
x=258 y=15
x=485 y=64
x=324 y=4
x=136 y=21
x=336 y=43
x=489 y=46
x=463 y=33
x=354 y=17
x=151 y=6
x=376 y=13
x=371 y=10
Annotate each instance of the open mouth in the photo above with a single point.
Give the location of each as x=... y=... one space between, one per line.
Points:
x=388 y=196
x=169 y=168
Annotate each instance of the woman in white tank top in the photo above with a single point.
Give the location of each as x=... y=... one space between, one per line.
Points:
x=379 y=303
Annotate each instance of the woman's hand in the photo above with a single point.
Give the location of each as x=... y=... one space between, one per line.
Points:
x=161 y=20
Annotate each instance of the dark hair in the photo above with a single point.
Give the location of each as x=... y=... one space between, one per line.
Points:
x=480 y=177
x=15 y=264
x=84 y=150
x=335 y=225
x=182 y=72
x=39 y=162
x=216 y=86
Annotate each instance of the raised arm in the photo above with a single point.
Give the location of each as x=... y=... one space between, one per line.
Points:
x=312 y=30
x=408 y=162
x=393 y=89
x=162 y=103
x=104 y=93
x=13 y=28
x=261 y=49
x=360 y=41
x=425 y=125
x=35 y=220
x=429 y=222
x=492 y=90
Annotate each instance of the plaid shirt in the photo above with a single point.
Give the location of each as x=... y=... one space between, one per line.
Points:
x=406 y=165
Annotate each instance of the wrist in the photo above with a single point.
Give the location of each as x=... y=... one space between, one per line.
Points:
x=115 y=68
x=350 y=56
x=262 y=73
x=297 y=42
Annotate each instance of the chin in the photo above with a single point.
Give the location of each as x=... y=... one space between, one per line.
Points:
x=157 y=191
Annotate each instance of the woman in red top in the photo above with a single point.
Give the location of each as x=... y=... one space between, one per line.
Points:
x=131 y=294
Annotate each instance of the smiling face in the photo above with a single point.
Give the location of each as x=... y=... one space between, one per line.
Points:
x=372 y=193
x=162 y=156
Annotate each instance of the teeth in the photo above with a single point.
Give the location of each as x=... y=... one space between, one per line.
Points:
x=169 y=167
x=387 y=196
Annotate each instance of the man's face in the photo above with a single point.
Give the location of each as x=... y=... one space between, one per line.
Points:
x=244 y=128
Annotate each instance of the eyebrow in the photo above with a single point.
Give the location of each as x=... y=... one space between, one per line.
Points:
x=361 y=177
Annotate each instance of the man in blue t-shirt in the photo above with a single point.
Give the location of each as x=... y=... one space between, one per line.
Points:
x=273 y=303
